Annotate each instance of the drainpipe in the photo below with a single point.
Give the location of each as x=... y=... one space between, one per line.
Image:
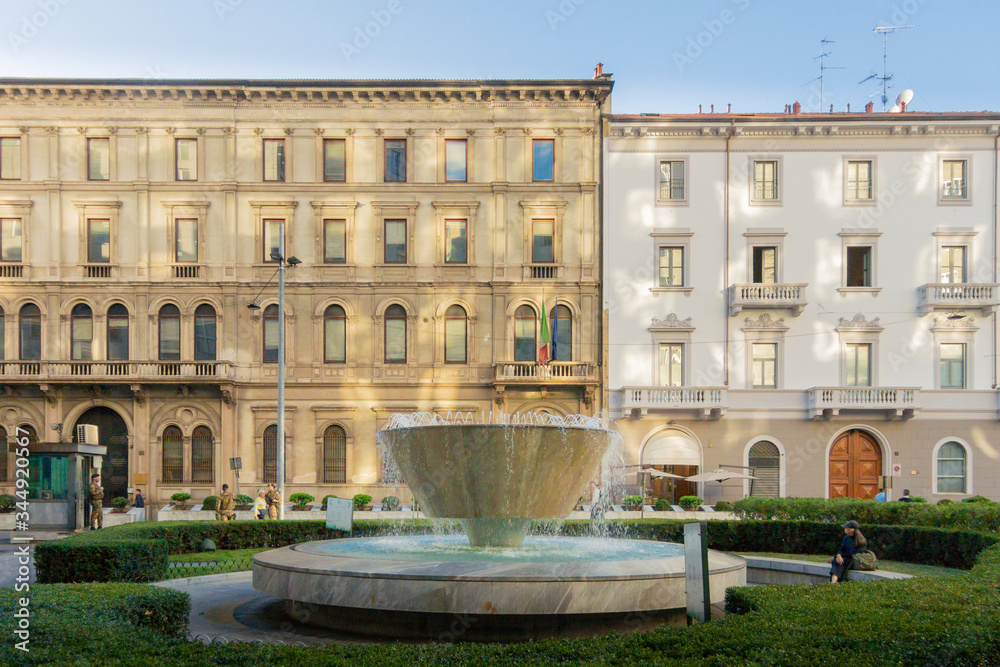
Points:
x=996 y=145
x=725 y=287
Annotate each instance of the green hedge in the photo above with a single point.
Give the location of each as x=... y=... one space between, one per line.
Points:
x=127 y=559
x=971 y=516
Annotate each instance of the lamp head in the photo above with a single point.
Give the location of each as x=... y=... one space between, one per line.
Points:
x=293 y=260
x=253 y=306
x=275 y=257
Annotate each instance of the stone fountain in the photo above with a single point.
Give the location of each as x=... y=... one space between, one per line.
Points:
x=495 y=474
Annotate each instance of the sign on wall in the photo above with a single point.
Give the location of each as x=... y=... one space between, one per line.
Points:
x=340 y=513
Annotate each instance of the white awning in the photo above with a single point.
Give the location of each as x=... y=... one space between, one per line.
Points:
x=671 y=448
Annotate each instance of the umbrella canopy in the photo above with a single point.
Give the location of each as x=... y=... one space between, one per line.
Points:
x=658 y=473
x=718 y=476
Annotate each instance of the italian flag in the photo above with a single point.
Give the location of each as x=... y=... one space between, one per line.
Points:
x=545 y=351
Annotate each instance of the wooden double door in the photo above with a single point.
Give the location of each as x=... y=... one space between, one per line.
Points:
x=855 y=466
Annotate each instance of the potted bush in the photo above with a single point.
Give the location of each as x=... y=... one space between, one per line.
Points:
x=662 y=505
x=119 y=504
x=390 y=504
x=210 y=503
x=300 y=500
x=244 y=502
x=178 y=500
x=7 y=503
x=632 y=503
x=690 y=503
x=326 y=498
x=723 y=506
x=361 y=501
x=977 y=499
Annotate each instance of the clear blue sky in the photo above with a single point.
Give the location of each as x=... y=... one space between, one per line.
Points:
x=666 y=55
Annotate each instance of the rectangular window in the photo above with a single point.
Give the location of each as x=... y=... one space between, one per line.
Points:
x=951 y=468
x=765 y=180
x=953 y=264
x=395 y=160
x=272 y=239
x=335 y=340
x=395 y=241
x=454 y=340
x=335 y=241
x=270 y=339
x=671 y=267
x=99 y=159
x=395 y=340
x=671 y=365
x=765 y=265
x=954 y=179
x=671 y=180
x=170 y=338
x=859 y=266
x=456 y=160
x=82 y=338
x=456 y=244
x=10 y=158
x=542 y=241
x=765 y=359
x=543 y=159
x=953 y=366
x=98 y=241
x=118 y=338
x=335 y=160
x=187 y=159
x=274 y=160
x=187 y=240
x=859 y=180
x=10 y=240
x=859 y=369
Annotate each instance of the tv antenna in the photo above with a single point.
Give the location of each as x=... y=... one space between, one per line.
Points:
x=884 y=30
x=823 y=53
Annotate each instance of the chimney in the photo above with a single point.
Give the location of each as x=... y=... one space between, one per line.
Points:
x=788 y=108
x=902 y=107
x=831 y=108
x=796 y=108
x=729 y=108
x=711 y=109
x=869 y=107
x=599 y=70
x=699 y=108
x=848 y=107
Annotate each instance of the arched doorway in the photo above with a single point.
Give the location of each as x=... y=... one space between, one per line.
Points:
x=113 y=434
x=764 y=458
x=855 y=465
x=675 y=452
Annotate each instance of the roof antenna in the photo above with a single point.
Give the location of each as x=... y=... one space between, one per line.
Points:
x=884 y=30
x=823 y=53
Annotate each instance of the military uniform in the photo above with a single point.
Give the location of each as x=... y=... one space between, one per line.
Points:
x=96 y=498
x=273 y=502
x=225 y=507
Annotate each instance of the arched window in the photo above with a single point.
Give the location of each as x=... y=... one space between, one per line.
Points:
x=173 y=454
x=525 y=348
x=82 y=332
x=204 y=333
x=562 y=333
x=334 y=335
x=456 y=333
x=271 y=454
x=202 y=454
x=27 y=431
x=30 y=321
x=765 y=460
x=334 y=455
x=3 y=455
x=1 y=337
x=170 y=333
x=118 y=332
x=395 y=335
x=952 y=468
x=271 y=334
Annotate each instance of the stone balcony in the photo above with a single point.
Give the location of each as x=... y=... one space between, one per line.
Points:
x=958 y=296
x=705 y=402
x=557 y=372
x=892 y=402
x=89 y=372
x=770 y=296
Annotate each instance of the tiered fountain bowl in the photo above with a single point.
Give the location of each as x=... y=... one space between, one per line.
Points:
x=495 y=475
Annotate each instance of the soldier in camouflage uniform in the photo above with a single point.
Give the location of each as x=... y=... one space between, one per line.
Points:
x=225 y=506
x=96 y=498
x=273 y=499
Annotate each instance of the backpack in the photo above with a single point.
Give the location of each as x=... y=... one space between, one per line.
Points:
x=864 y=561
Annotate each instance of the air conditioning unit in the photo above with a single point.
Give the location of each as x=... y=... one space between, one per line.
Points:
x=86 y=434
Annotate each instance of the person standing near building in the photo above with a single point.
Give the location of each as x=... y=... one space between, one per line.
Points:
x=905 y=498
x=225 y=506
x=880 y=496
x=596 y=502
x=96 y=498
x=139 y=500
x=273 y=501
x=260 y=505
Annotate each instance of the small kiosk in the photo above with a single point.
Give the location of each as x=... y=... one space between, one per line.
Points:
x=59 y=477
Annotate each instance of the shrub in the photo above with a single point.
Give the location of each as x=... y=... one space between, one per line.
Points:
x=361 y=500
x=390 y=503
x=301 y=499
x=244 y=501
x=7 y=501
x=135 y=560
x=210 y=503
x=326 y=498
x=978 y=499
x=723 y=506
x=662 y=505
x=918 y=499
x=120 y=502
x=632 y=502
x=180 y=498
x=690 y=502
x=944 y=501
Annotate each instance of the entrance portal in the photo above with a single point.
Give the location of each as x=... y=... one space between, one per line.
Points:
x=113 y=434
x=855 y=464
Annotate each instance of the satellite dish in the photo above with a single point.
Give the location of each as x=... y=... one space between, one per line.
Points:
x=894 y=109
x=904 y=97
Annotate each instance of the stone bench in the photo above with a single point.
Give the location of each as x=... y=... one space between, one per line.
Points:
x=783 y=571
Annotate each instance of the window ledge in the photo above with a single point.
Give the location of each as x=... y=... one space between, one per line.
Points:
x=765 y=202
x=673 y=202
x=685 y=290
x=844 y=291
x=860 y=202
x=954 y=202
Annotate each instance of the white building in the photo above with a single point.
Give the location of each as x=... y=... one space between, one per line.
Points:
x=812 y=295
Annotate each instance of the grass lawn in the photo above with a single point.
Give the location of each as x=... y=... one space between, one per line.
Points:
x=913 y=569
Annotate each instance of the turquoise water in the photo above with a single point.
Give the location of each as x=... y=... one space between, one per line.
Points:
x=536 y=549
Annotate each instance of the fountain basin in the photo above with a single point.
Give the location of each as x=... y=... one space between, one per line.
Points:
x=431 y=587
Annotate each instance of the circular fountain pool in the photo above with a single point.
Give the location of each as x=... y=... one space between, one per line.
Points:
x=439 y=587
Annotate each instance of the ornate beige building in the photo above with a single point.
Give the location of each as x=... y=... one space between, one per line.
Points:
x=434 y=221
